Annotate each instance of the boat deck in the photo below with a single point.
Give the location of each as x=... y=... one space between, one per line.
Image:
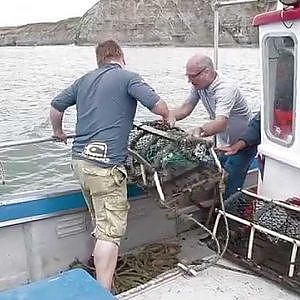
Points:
x=218 y=283
x=224 y=280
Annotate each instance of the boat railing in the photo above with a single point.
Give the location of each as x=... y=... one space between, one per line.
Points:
x=216 y=6
x=259 y=226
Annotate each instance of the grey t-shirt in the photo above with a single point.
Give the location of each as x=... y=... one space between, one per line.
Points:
x=223 y=98
x=106 y=101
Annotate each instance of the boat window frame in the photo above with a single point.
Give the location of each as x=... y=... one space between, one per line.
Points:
x=266 y=85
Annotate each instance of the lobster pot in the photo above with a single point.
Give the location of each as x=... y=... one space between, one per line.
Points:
x=185 y=166
x=267 y=233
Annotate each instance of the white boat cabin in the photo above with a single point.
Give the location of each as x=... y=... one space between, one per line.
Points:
x=279 y=33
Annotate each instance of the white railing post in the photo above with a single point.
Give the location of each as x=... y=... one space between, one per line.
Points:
x=216 y=5
x=293 y=260
x=216 y=34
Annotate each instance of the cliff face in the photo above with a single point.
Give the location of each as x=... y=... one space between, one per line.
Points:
x=59 y=33
x=168 y=22
x=145 y=22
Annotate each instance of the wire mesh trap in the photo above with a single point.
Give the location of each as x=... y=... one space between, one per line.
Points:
x=265 y=235
x=183 y=163
x=268 y=214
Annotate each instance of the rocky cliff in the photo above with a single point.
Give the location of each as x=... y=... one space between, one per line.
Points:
x=58 y=33
x=168 y=22
x=145 y=22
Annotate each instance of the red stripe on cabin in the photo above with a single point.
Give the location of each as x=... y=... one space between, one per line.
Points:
x=276 y=16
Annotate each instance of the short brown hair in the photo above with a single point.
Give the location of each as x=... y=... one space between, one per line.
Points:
x=108 y=51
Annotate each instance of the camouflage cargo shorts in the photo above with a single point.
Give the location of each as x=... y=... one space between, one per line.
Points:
x=105 y=193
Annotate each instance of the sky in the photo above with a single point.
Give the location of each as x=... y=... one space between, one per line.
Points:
x=20 y=12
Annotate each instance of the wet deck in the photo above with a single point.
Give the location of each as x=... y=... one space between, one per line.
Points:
x=217 y=283
x=225 y=281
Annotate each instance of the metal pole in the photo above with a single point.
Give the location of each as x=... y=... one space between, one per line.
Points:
x=32 y=141
x=217 y=4
x=293 y=260
x=261 y=228
x=251 y=241
x=279 y=203
x=216 y=34
x=234 y=2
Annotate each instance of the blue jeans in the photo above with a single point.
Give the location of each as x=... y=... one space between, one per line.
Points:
x=237 y=167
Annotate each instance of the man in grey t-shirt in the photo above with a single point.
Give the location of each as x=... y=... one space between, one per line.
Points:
x=227 y=109
x=106 y=101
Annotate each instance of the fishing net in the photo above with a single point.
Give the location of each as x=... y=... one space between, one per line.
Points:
x=267 y=214
x=185 y=166
x=169 y=151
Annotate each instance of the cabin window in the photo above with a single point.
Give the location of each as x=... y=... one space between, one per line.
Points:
x=280 y=85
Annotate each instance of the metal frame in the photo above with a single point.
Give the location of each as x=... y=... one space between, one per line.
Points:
x=254 y=227
x=31 y=141
x=279 y=203
x=216 y=5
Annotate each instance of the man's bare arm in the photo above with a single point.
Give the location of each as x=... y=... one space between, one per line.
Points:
x=184 y=110
x=213 y=127
x=161 y=108
x=56 y=118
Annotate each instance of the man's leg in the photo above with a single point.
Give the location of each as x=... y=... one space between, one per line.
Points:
x=105 y=260
x=105 y=191
x=109 y=196
x=237 y=167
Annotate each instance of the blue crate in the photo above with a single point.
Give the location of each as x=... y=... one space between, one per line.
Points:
x=75 y=284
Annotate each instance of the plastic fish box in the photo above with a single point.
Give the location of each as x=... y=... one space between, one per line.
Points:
x=75 y=284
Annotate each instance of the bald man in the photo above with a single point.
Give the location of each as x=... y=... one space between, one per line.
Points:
x=228 y=111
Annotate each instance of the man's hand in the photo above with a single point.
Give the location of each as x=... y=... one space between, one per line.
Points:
x=196 y=132
x=233 y=149
x=171 y=118
x=60 y=136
